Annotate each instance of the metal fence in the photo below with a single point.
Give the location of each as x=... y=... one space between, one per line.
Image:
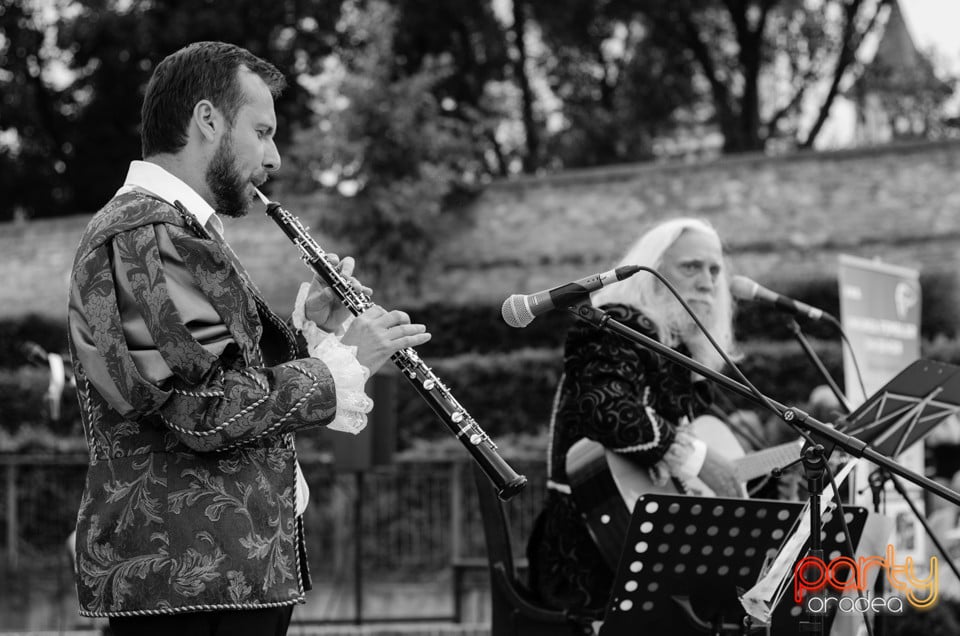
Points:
x=395 y=543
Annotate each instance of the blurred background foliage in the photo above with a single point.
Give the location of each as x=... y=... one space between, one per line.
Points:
x=400 y=111
x=459 y=90
x=403 y=109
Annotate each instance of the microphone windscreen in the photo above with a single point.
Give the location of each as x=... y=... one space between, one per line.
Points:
x=742 y=288
x=516 y=311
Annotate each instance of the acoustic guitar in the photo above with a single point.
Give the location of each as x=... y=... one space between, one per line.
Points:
x=606 y=485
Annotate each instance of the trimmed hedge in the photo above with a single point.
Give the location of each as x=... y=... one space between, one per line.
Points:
x=49 y=333
x=506 y=377
x=22 y=403
x=512 y=393
x=465 y=329
x=507 y=393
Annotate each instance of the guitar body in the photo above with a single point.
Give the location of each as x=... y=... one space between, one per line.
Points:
x=632 y=480
x=606 y=485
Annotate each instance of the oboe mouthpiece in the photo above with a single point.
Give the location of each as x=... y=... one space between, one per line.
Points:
x=263 y=198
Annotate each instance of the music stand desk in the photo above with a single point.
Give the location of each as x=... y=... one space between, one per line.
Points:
x=685 y=557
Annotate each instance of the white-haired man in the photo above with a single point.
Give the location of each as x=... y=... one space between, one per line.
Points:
x=633 y=401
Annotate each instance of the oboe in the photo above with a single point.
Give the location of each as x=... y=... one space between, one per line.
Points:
x=506 y=480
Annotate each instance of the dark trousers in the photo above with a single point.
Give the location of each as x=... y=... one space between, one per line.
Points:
x=272 y=621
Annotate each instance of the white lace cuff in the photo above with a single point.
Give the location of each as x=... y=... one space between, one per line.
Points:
x=349 y=375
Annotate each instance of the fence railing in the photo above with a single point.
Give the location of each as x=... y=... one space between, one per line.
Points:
x=411 y=523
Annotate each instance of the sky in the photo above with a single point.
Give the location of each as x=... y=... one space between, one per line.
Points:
x=933 y=27
x=933 y=23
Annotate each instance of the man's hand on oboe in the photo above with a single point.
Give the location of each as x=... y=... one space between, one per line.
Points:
x=323 y=306
x=378 y=334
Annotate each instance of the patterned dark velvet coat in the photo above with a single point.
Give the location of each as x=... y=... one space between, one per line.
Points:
x=190 y=389
x=609 y=389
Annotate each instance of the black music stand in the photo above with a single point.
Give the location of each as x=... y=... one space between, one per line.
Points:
x=907 y=407
x=685 y=557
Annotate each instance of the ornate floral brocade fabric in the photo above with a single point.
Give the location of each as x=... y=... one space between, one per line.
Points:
x=191 y=389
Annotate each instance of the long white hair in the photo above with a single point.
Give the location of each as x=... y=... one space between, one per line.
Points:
x=644 y=292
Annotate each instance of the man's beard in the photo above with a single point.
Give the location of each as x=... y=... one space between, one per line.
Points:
x=679 y=321
x=226 y=183
x=685 y=329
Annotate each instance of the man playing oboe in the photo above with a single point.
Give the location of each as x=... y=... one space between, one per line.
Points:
x=191 y=387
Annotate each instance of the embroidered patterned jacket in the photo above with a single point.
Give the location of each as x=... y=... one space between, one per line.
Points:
x=620 y=394
x=627 y=398
x=190 y=389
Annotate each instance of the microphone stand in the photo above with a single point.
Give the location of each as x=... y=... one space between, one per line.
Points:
x=815 y=359
x=879 y=477
x=814 y=456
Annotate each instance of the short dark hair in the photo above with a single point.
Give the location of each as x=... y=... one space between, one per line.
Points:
x=202 y=70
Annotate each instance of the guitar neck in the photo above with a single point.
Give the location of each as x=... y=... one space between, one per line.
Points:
x=762 y=462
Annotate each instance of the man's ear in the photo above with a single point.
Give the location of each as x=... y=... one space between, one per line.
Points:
x=207 y=119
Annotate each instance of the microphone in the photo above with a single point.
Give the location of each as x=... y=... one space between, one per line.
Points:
x=742 y=288
x=520 y=309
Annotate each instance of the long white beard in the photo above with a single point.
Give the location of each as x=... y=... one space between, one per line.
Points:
x=679 y=322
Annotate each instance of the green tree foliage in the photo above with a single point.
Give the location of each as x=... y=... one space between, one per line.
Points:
x=396 y=158
x=476 y=47
x=527 y=84
x=106 y=49
x=747 y=67
x=32 y=128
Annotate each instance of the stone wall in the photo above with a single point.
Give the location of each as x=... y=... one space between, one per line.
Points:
x=783 y=218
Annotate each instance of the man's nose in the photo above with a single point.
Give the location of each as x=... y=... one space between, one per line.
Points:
x=705 y=281
x=271 y=159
